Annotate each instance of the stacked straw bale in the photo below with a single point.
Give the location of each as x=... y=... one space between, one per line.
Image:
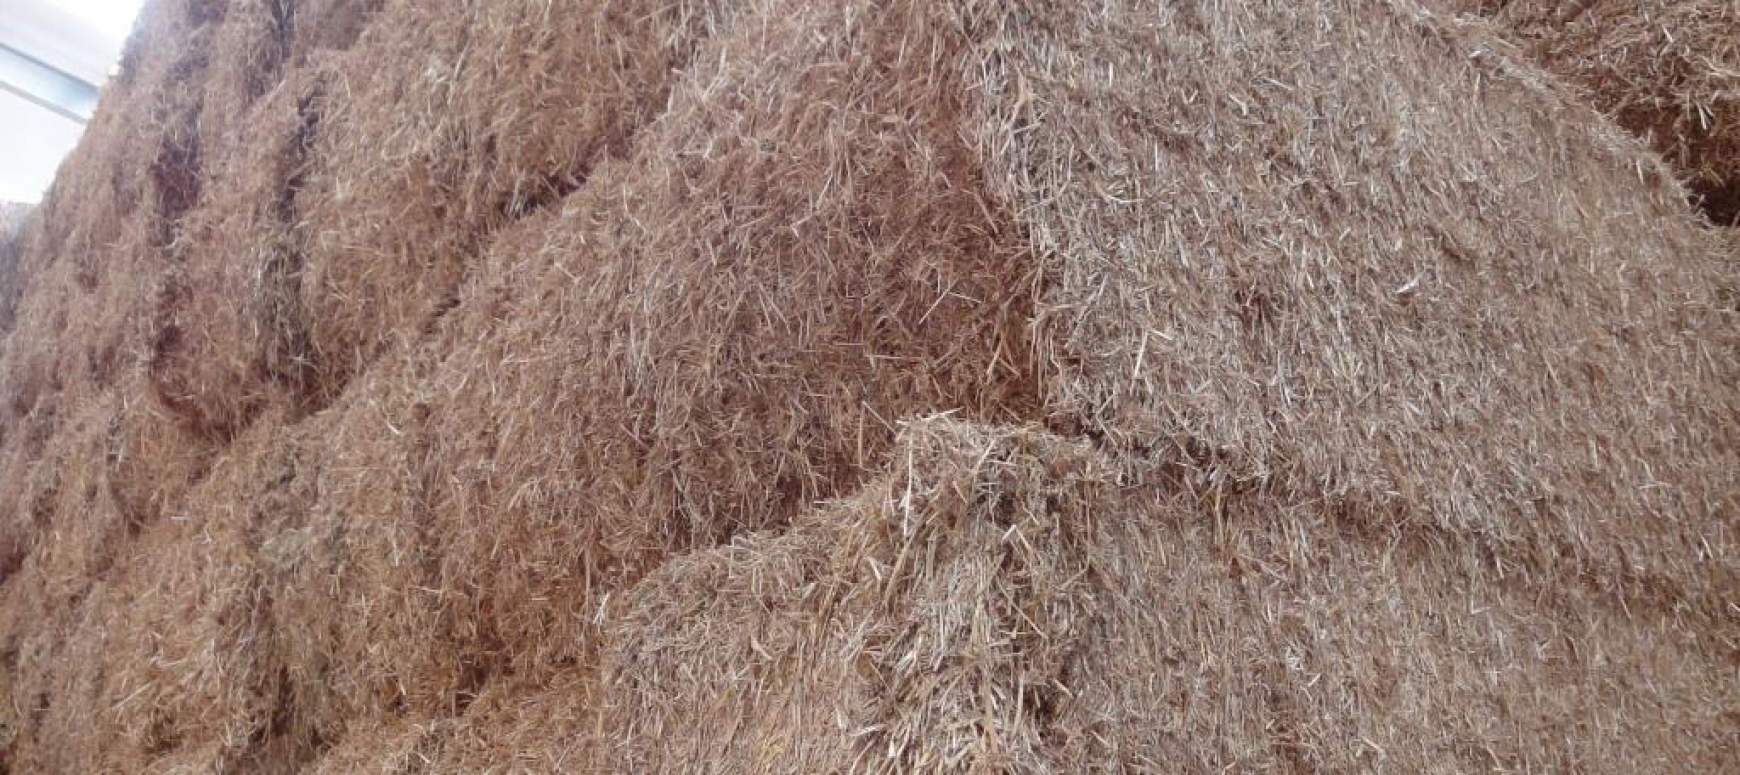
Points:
x=783 y=386
x=1668 y=70
x=1314 y=277
x=451 y=122
x=997 y=603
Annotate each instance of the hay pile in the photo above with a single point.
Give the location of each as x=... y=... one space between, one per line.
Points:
x=1666 y=69
x=783 y=386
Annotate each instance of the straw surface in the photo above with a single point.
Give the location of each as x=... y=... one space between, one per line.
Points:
x=1668 y=70
x=781 y=386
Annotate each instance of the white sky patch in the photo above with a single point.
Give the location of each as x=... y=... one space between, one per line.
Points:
x=112 y=18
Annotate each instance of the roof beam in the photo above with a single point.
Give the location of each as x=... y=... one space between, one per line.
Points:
x=51 y=88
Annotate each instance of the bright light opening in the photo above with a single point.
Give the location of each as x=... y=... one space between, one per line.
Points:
x=112 y=18
x=54 y=56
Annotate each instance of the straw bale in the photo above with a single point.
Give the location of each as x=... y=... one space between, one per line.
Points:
x=1300 y=642
x=996 y=603
x=185 y=673
x=449 y=124
x=1668 y=70
x=922 y=625
x=794 y=256
x=53 y=613
x=60 y=509
x=187 y=659
x=151 y=457
x=1411 y=277
x=361 y=602
x=228 y=333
